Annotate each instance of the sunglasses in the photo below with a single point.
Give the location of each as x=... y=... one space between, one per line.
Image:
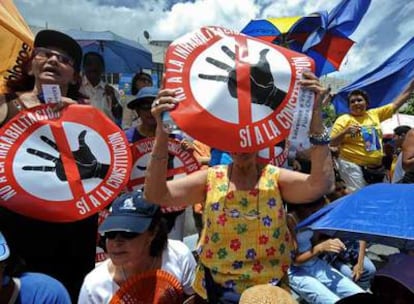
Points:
x=111 y=235
x=44 y=53
x=356 y=100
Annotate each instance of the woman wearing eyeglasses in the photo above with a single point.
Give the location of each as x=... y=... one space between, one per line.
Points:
x=48 y=247
x=55 y=59
x=136 y=241
x=245 y=240
x=359 y=138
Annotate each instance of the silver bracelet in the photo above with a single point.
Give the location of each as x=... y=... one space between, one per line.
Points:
x=320 y=139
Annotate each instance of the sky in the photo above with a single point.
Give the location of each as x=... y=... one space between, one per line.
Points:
x=387 y=25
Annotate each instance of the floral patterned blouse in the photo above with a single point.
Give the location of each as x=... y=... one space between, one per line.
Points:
x=245 y=240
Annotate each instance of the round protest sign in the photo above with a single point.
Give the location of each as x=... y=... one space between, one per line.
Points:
x=61 y=166
x=235 y=92
x=277 y=155
x=179 y=162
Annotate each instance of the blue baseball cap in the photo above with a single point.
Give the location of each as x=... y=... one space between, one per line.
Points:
x=130 y=212
x=144 y=93
x=4 y=249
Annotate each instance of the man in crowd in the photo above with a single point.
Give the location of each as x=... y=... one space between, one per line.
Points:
x=408 y=158
x=399 y=136
x=100 y=94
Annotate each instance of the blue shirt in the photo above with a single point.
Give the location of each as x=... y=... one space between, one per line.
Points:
x=38 y=288
x=219 y=157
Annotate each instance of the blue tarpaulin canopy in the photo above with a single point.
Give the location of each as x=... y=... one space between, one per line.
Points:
x=384 y=83
x=121 y=55
x=381 y=213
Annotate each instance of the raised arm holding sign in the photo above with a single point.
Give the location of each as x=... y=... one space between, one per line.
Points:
x=238 y=198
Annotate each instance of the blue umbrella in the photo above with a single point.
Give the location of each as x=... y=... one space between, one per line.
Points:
x=121 y=55
x=381 y=213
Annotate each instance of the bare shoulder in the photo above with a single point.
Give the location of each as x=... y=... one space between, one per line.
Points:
x=7 y=107
x=3 y=109
x=409 y=140
x=409 y=137
x=197 y=179
x=190 y=187
x=27 y=99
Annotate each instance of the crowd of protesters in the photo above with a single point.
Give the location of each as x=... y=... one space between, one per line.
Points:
x=243 y=247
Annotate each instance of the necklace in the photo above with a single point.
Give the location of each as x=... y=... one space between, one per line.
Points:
x=236 y=213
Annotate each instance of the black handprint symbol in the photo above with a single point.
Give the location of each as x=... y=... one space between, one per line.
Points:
x=86 y=162
x=262 y=86
x=170 y=164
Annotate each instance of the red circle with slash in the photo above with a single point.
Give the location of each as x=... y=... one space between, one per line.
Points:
x=180 y=162
x=216 y=74
x=185 y=162
x=62 y=166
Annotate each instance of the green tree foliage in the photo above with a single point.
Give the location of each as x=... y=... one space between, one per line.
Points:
x=409 y=107
x=329 y=115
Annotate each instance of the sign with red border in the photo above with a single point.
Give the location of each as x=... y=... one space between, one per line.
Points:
x=180 y=162
x=277 y=155
x=62 y=166
x=235 y=92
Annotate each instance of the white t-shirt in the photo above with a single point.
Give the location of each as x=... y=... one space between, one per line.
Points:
x=99 y=287
x=97 y=97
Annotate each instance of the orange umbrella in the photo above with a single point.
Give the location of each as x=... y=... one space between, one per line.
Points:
x=16 y=41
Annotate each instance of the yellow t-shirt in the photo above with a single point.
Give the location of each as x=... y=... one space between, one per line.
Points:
x=245 y=240
x=357 y=149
